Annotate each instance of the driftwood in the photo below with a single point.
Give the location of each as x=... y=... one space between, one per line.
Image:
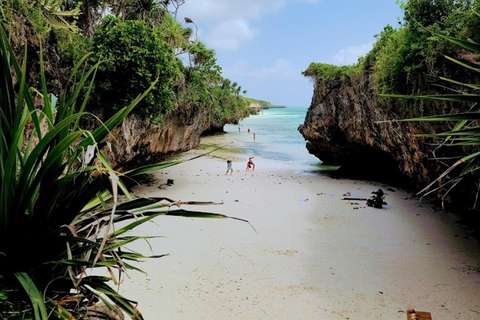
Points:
x=412 y=314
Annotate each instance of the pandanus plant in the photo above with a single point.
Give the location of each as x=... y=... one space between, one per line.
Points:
x=58 y=212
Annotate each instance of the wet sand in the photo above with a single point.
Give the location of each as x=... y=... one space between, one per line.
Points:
x=312 y=256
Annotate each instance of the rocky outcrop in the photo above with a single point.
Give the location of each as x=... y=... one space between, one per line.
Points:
x=345 y=126
x=137 y=141
x=255 y=108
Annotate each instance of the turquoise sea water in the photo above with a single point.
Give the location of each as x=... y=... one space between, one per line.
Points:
x=276 y=136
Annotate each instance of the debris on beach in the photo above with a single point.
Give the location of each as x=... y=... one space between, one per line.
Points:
x=326 y=194
x=355 y=198
x=169 y=183
x=412 y=314
x=376 y=200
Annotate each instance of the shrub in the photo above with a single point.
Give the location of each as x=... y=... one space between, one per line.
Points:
x=72 y=48
x=406 y=59
x=324 y=73
x=135 y=56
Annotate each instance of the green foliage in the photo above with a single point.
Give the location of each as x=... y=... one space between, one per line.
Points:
x=324 y=73
x=202 y=87
x=150 y=11
x=204 y=60
x=466 y=132
x=44 y=186
x=263 y=103
x=173 y=33
x=136 y=51
x=135 y=56
x=396 y=63
x=226 y=107
x=408 y=59
x=442 y=13
x=54 y=218
x=72 y=48
x=40 y=17
x=402 y=58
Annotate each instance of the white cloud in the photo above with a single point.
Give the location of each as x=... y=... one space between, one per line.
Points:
x=351 y=54
x=222 y=10
x=280 y=83
x=229 y=21
x=228 y=35
x=281 y=69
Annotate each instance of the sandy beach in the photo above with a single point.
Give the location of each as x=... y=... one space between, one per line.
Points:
x=310 y=255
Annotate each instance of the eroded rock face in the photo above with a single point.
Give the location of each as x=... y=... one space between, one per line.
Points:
x=137 y=141
x=255 y=108
x=342 y=128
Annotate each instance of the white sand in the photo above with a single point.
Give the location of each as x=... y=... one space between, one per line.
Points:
x=314 y=257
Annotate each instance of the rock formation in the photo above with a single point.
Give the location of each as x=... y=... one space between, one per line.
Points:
x=344 y=127
x=138 y=142
x=255 y=108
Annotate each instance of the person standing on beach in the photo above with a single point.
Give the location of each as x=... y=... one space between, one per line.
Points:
x=250 y=164
x=254 y=136
x=229 y=167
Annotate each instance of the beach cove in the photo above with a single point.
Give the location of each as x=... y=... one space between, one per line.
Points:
x=309 y=255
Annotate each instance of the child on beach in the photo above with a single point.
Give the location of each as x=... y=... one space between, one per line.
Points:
x=229 y=167
x=250 y=164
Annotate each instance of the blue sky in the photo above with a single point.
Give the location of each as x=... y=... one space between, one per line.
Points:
x=264 y=45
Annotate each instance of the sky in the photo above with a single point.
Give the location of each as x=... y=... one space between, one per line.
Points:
x=264 y=45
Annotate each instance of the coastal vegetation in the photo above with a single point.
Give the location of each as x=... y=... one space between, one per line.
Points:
x=324 y=73
x=264 y=104
x=135 y=51
x=60 y=200
x=158 y=46
x=81 y=68
x=431 y=56
x=464 y=134
x=406 y=59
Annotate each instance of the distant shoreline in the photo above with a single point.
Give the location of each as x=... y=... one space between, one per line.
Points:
x=274 y=107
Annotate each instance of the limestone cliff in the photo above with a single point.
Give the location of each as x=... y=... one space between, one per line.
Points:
x=255 y=108
x=342 y=128
x=138 y=142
